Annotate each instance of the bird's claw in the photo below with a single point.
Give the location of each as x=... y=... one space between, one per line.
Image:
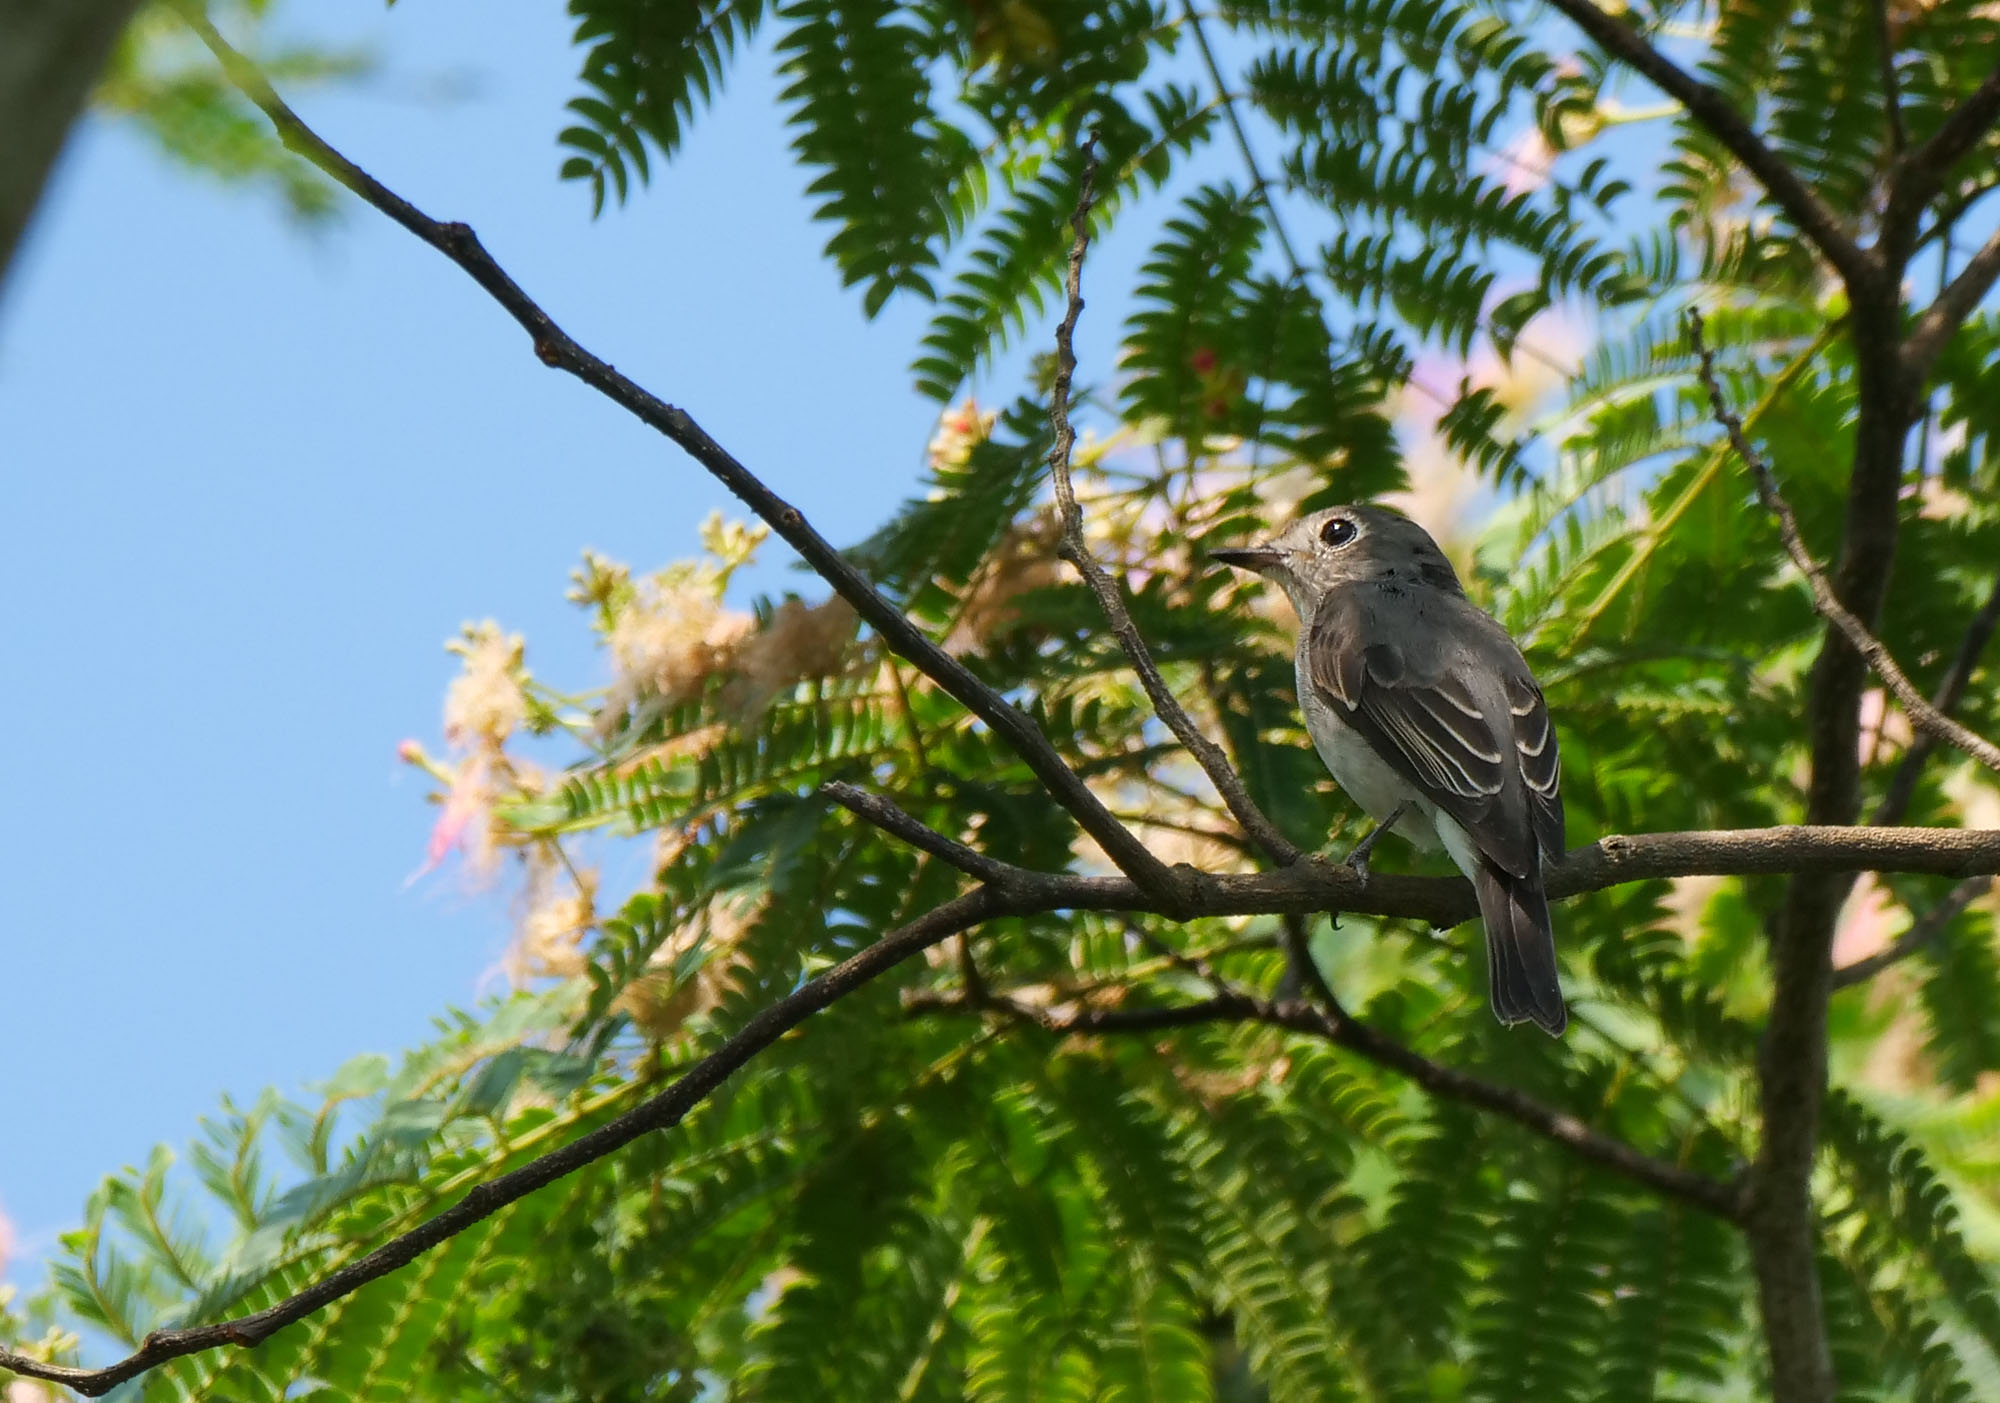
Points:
x=1357 y=861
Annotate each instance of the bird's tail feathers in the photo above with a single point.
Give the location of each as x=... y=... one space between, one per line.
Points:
x=1520 y=948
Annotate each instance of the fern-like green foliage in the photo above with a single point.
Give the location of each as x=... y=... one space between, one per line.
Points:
x=1382 y=245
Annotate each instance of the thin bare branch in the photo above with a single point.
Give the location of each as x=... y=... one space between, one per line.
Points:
x=1927 y=928
x=1237 y=130
x=556 y=349
x=1922 y=714
x=1447 y=1083
x=885 y=815
x=1712 y=110
x=1951 y=687
x=662 y=1112
x=1077 y=552
x=1942 y=319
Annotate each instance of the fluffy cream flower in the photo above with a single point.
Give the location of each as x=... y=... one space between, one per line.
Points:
x=670 y=639
x=484 y=702
x=560 y=912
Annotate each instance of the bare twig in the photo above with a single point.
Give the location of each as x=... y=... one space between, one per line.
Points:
x=1448 y=1083
x=1927 y=928
x=1951 y=687
x=556 y=349
x=885 y=815
x=662 y=1112
x=1922 y=714
x=1077 y=552
x=1712 y=110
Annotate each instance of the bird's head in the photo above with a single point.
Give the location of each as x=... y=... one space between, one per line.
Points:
x=1344 y=545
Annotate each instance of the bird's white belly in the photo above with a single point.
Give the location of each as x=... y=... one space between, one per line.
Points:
x=1372 y=783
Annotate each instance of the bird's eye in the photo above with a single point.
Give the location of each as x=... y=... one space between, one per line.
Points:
x=1337 y=532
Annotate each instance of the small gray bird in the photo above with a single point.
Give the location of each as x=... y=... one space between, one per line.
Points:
x=1427 y=715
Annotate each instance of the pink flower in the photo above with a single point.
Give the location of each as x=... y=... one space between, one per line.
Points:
x=464 y=822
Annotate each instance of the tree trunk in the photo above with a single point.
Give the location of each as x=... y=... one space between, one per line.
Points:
x=51 y=52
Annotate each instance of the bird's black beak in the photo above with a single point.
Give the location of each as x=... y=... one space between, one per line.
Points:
x=1256 y=559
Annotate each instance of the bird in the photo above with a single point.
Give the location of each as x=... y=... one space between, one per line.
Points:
x=1428 y=718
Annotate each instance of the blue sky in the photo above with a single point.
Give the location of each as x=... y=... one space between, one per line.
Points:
x=254 y=477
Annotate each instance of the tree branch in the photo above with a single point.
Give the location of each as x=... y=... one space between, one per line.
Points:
x=1228 y=1005
x=1713 y=111
x=662 y=1112
x=1922 y=714
x=885 y=815
x=556 y=349
x=1922 y=932
x=1076 y=551
x=1923 y=169
x=1903 y=784
x=1942 y=319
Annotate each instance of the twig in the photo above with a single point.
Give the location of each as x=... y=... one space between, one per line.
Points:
x=884 y=814
x=1243 y=147
x=1077 y=552
x=1921 y=933
x=1448 y=1083
x=556 y=349
x=662 y=1112
x=1922 y=714
x=1712 y=110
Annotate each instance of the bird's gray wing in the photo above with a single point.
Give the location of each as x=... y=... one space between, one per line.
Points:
x=1540 y=758
x=1421 y=678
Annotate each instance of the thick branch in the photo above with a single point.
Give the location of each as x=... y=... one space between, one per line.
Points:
x=1951 y=687
x=1713 y=111
x=51 y=52
x=1922 y=714
x=1448 y=1083
x=1942 y=319
x=1921 y=933
x=662 y=1112
x=555 y=348
x=1077 y=552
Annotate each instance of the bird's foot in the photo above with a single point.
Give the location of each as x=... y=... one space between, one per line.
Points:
x=1358 y=859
